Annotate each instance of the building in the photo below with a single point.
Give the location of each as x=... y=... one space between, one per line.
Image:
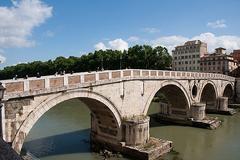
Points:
x=218 y=62
x=236 y=55
x=187 y=56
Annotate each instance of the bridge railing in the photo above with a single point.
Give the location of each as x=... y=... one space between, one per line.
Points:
x=60 y=82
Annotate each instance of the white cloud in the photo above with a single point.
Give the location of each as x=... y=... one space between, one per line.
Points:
x=100 y=46
x=118 y=44
x=169 y=41
x=2 y=58
x=133 y=39
x=151 y=30
x=18 y=21
x=217 y=24
x=227 y=41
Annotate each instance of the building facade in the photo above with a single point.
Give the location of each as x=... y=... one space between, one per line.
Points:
x=236 y=55
x=187 y=57
x=218 y=62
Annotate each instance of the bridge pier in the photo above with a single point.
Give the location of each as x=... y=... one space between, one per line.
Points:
x=198 y=111
x=195 y=117
x=135 y=140
x=221 y=107
x=237 y=90
x=136 y=130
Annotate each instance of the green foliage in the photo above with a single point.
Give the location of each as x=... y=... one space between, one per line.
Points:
x=137 y=57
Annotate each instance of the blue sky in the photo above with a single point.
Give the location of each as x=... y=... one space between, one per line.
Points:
x=44 y=29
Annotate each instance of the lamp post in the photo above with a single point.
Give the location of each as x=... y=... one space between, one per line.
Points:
x=2 y=90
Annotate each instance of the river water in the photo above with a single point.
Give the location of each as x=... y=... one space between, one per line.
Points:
x=63 y=134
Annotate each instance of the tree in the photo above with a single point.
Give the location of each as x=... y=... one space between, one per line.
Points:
x=136 y=57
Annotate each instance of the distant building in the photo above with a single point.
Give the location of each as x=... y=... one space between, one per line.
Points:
x=187 y=56
x=236 y=55
x=218 y=62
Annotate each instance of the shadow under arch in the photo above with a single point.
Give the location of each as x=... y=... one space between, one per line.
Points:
x=176 y=96
x=208 y=95
x=228 y=92
x=107 y=120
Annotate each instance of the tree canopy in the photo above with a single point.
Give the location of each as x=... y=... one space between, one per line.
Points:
x=136 y=57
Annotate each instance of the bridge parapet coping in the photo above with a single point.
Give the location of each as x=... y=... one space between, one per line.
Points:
x=55 y=83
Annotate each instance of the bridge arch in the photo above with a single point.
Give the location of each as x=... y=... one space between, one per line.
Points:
x=228 y=91
x=171 y=88
x=208 y=94
x=95 y=102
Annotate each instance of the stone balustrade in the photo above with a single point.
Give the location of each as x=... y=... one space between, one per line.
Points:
x=53 y=83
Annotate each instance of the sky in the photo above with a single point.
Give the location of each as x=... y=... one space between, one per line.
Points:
x=32 y=30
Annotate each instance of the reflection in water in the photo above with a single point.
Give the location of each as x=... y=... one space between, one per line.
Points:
x=63 y=134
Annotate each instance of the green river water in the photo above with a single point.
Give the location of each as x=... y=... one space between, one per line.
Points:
x=63 y=134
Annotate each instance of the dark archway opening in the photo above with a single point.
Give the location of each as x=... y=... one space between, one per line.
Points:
x=64 y=132
x=194 y=91
x=228 y=92
x=209 y=96
x=169 y=101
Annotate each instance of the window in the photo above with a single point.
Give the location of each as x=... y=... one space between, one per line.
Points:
x=193 y=56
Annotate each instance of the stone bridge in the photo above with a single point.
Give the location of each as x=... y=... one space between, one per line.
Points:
x=119 y=100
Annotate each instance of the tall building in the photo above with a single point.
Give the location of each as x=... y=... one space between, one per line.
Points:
x=187 y=56
x=218 y=62
x=236 y=55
